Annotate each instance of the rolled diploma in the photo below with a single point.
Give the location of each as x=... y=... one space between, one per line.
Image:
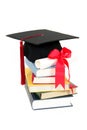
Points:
x=45 y=63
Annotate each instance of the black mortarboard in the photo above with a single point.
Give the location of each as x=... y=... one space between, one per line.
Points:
x=38 y=44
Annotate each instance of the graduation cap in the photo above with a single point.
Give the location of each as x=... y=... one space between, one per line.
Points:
x=38 y=44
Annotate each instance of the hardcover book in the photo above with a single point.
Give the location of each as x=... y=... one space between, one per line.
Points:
x=45 y=80
x=37 y=103
x=46 y=95
x=43 y=87
x=40 y=72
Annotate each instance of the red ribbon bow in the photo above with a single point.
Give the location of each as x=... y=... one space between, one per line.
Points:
x=60 y=65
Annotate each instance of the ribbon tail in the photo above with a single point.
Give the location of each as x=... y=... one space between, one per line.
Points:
x=60 y=75
x=67 y=64
x=72 y=86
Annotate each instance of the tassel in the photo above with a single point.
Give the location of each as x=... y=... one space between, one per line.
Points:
x=22 y=67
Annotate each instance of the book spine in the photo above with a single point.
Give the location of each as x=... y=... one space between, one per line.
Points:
x=56 y=94
x=44 y=80
x=31 y=66
x=45 y=72
x=47 y=88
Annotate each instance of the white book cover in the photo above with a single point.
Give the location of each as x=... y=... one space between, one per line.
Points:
x=44 y=80
x=45 y=72
x=37 y=103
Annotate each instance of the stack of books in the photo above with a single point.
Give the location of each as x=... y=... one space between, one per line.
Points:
x=40 y=74
x=40 y=85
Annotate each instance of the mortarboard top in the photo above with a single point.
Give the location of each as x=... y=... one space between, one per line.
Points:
x=40 y=36
x=38 y=44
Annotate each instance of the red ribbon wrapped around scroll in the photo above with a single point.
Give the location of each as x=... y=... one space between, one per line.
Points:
x=60 y=65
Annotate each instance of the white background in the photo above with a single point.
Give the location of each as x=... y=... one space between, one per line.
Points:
x=66 y=16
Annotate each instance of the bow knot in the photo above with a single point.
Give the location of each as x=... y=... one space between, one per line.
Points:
x=60 y=65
